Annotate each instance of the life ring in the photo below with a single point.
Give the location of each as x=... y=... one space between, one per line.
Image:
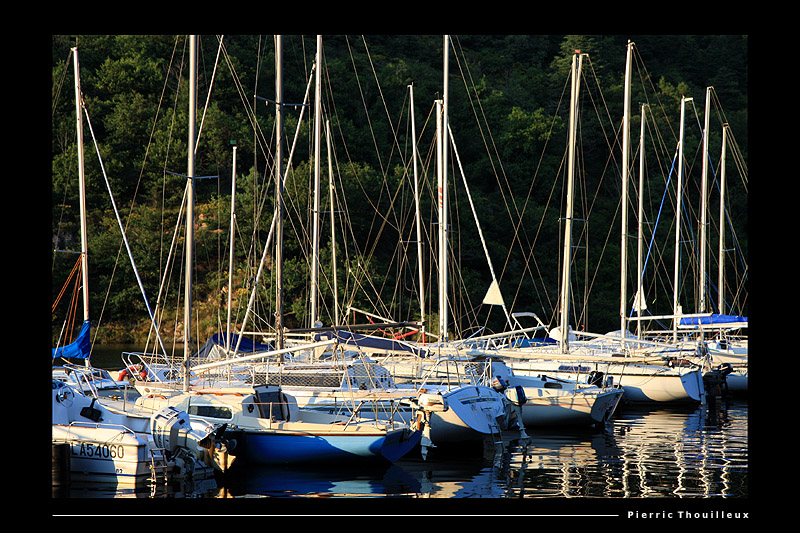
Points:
x=127 y=373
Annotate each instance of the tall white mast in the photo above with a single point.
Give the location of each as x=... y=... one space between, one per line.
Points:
x=626 y=142
x=701 y=308
x=577 y=60
x=315 y=208
x=441 y=210
x=333 y=227
x=187 y=295
x=443 y=199
x=279 y=191
x=81 y=190
x=416 y=205
x=676 y=310
x=230 y=252
x=639 y=301
x=81 y=186
x=721 y=280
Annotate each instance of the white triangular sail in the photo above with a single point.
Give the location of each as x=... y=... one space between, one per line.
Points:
x=639 y=302
x=493 y=296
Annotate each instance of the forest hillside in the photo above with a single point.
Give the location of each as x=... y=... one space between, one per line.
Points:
x=508 y=109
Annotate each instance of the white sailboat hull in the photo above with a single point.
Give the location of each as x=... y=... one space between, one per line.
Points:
x=105 y=454
x=551 y=407
x=466 y=413
x=641 y=383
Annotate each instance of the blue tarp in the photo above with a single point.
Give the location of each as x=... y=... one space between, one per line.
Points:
x=247 y=345
x=80 y=348
x=713 y=319
x=527 y=343
x=368 y=341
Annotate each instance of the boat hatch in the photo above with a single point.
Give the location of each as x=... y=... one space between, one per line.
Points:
x=272 y=404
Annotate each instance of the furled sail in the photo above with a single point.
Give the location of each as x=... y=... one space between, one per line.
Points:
x=78 y=349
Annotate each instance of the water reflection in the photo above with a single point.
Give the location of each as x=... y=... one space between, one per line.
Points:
x=640 y=453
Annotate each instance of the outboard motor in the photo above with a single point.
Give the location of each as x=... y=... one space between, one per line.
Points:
x=172 y=429
x=516 y=395
x=716 y=381
x=499 y=384
x=702 y=349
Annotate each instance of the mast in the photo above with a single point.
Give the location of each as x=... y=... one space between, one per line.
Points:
x=703 y=215
x=333 y=227
x=81 y=186
x=279 y=192
x=626 y=142
x=639 y=301
x=721 y=279
x=676 y=308
x=230 y=252
x=417 y=214
x=315 y=209
x=82 y=190
x=187 y=313
x=443 y=193
x=577 y=60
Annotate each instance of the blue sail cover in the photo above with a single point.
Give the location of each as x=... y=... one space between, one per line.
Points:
x=368 y=341
x=713 y=320
x=247 y=345
x=80 y=348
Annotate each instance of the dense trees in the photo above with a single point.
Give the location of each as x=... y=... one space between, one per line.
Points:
x=508 y=115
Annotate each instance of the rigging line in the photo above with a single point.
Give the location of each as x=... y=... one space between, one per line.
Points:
x=519 y=223
x=392 y=127
x=75 y=268
x=379 y=212
x=208 y=95
x=481 y=130
x=250 y=112
x=475 y=214
x=162 y=289
x=509 y=205
x=60 y=84
x=363 y=101
x=119 y=222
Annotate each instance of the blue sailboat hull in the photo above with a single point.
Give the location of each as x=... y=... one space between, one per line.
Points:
x=270 y=447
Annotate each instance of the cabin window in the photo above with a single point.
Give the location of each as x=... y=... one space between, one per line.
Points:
x=211 y=411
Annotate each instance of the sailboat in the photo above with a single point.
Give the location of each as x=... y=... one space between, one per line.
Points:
x=572 y=359
x=80 y=348
x=471 y=410
x=111 y=445
x=552 y=401
x=270 y=427
x=125 y=448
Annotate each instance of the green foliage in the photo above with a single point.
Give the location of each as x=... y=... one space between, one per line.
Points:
x=512 y=102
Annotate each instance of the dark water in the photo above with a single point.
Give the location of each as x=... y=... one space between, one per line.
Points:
x=653 y=454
